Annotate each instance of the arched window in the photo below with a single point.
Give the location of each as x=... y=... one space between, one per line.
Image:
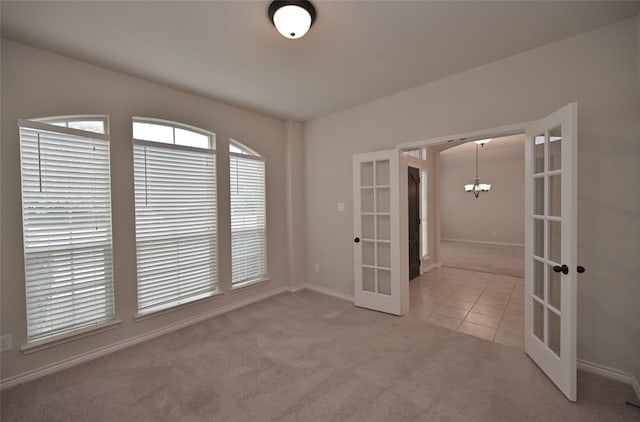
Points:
x=97 y=124
x=66 y=214
x=176 y=218
x=248 y=215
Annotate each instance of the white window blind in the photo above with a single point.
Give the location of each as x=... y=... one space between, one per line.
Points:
x=176 y=232
x=66 y=211
x=248 y=215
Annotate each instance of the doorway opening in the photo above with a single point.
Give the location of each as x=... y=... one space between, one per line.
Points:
x=475 y=284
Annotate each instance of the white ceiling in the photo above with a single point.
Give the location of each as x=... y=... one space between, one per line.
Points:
x=355 y=52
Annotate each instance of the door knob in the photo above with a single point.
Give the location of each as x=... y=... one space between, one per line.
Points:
x=581 y=269
x=564 y=269
x=357 y=240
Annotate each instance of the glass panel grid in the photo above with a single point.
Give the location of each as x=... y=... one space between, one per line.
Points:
x=375 y=204
x=546 y=287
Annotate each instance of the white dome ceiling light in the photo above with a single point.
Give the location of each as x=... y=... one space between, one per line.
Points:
x=292 y=18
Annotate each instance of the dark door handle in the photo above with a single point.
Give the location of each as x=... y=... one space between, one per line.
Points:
x=564 y=269
x=357 y=240
x=581 y=269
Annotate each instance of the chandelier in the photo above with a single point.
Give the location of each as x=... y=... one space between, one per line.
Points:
x=476 y=187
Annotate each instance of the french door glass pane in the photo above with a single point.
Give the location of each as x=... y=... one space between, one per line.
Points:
x=538 y=196
x=382 y=173
x=553 y=331
x=538 y=279
x=368 y=226
x=538 y=320
x=554 y=288
x=366 y=174
x=382 y=200
x=368 y=253
x=366 y=199
x=538 y=154
x=383 y=225
x=554 y=241
x=368 y=279
x=384 y=255
x=555 y=148
x=555 y=195
x=384 y=282
x=538 y=238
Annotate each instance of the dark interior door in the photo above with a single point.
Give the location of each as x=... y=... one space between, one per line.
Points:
x=414 y=222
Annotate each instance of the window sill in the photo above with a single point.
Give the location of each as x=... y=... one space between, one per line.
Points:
x=47 y=343
x=249 y=283
x=158 y=312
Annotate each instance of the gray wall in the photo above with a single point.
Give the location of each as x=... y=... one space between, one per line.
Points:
x=597 y=69
x=496 y=216
x=36 y=83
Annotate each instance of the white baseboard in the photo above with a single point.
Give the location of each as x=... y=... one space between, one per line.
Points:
x=482 y=242
x=428 y=268
x=329 y=292
x=636 y=387
x=297 y=288
x=85 y=357
x=610 y=373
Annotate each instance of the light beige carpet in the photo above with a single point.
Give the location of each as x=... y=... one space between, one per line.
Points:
x=496 y=259
x=309 y=357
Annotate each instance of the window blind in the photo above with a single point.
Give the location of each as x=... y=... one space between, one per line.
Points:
x=66 y=211
x=176 y=233
x=248 y=215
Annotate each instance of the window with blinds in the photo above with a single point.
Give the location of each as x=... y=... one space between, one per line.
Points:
x=248 y=215
x=66 y=212
x=175 y=201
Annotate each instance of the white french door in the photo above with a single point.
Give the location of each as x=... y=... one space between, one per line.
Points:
x=551 y=246
x=376 y=231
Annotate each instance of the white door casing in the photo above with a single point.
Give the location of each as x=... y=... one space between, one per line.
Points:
x=376 y=231
x=551 y=246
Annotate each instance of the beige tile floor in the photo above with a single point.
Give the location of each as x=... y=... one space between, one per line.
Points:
x=484 y=305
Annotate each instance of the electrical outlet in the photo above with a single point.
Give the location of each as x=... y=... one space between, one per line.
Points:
x=316 y=268
x=6 y=343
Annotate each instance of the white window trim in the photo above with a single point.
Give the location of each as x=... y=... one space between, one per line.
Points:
x=76 y=118
x=253 y=155
x=54 y=341
x=73 y=334
x=152 y=144
x=40 y=125
x=211 y=150
x=139 y=119
x=249 y=283
x=141 y=316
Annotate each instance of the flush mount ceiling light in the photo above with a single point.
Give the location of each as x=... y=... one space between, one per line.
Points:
x=478 y=187
x=292 y=18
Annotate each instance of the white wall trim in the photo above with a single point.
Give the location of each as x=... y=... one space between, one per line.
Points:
x=483 y=242
x=329 y=292
x=611 y=373
x=427 y=268
x=102 y=351
x=636 y=386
